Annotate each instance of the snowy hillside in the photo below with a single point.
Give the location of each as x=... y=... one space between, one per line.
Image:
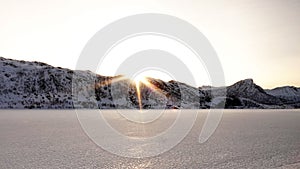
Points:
x=39 y=85
x=247 y=89
x=34 y=85
x=289 y=94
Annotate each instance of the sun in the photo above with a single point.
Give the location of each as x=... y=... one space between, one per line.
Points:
x=140 y=79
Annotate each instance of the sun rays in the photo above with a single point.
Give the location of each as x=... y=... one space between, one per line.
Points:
x=140 y=83
x=142 y=80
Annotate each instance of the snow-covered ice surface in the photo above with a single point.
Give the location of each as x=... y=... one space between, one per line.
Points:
x=243 y=139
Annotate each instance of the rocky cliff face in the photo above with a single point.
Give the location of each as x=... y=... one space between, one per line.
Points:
x=39 y=85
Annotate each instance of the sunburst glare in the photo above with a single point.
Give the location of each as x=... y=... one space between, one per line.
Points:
x=137 y=80
x=140 y=80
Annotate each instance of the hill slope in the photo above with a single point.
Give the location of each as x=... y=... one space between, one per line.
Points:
x=39 y=85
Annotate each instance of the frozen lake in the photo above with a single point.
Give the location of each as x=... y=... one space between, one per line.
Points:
x=243 y=139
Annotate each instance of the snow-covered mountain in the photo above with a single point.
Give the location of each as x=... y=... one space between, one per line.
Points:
x=39 y=85
x=34 y=85
x=288 y=94
x=252 y=95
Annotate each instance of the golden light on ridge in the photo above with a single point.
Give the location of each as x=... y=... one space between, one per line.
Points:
x=140 y=79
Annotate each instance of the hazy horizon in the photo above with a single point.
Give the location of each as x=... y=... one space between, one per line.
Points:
x=253 y=39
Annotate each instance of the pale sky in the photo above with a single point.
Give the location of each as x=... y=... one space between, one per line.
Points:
x=256 y=39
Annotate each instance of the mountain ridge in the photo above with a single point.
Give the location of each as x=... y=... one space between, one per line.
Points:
x=39 y=85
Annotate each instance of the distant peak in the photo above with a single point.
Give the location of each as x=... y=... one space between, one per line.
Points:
x=246 y=82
